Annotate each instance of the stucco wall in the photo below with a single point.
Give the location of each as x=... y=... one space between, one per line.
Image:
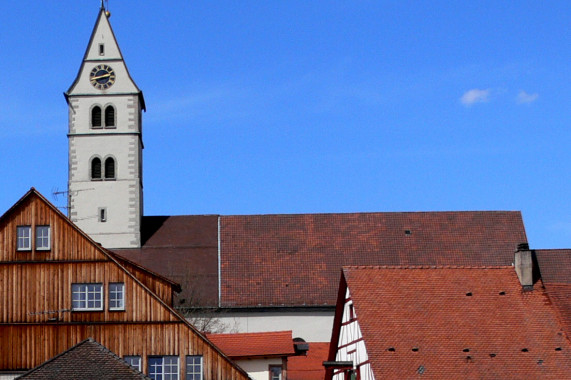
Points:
x=314 y=326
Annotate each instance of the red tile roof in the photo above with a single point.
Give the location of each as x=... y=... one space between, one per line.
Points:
x=294 y=260
x=309 y=367
x=555 y=268
x=249 y=345
x=555 y=265
x=86 y=360
x=510 y=334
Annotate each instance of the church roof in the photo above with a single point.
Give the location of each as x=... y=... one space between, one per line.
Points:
x=455 y=323
x=184 y=249
x=555 y=267
x=294 y=260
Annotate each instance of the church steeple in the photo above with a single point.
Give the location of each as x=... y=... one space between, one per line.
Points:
x=105 y=143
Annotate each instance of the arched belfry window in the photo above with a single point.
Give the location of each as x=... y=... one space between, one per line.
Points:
x=109 y=168
x=109 y=117
x=96 y=168
x=96 y=117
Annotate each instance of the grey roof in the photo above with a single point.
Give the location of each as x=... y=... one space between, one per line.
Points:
x=87 y=360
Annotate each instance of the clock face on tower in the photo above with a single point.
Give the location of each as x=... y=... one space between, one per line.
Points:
x=102 y=77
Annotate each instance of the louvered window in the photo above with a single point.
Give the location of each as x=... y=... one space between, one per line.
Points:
x=96 y=117
x=96 y=168
x=109 y=168
x=109 y=117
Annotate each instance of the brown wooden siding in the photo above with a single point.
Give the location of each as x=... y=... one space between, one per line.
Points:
x=38 y=292
x=32 y=345
x=66 y=242
x=36 y=321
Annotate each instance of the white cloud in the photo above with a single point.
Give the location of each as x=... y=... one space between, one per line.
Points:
x=525 y=98
x=475 y=95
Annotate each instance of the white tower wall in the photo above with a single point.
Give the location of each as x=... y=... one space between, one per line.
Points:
x=108 y=209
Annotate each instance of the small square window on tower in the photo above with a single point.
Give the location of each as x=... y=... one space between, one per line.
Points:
x=101 y=49
x=102 y=214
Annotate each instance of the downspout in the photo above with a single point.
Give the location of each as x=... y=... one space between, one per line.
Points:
x=219 y=267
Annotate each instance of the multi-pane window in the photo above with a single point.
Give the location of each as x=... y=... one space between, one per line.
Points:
x=24 y=237
x=163 y=367
x=275 y=372
x=43 y=238
x=86 y=297
x=134 y=361
x=194 y=367
x=116 y=296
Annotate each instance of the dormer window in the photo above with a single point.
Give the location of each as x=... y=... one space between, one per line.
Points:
x=24 y=238
x=43 y=238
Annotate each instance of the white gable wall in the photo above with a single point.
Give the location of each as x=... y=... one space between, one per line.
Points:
x=351 y=346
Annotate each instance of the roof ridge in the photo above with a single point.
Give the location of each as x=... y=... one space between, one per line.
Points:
x=371 y=213
x=259 y=333
x=426 y=267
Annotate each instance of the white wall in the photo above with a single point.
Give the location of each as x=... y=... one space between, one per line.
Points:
x=313 y=326
x=258 y=369
x=351 y=346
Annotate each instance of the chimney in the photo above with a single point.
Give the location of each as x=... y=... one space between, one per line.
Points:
x=523 y=263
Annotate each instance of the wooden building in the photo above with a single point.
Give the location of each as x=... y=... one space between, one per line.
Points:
x=58 y=287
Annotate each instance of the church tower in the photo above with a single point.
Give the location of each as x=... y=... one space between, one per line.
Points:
x=105 y=144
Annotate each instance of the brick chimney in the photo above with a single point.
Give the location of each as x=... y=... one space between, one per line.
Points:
x=523 y=263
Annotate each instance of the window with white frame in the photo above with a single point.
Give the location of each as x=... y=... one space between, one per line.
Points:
x=117 y=296
x=86 y=297
x=163 y=367
x=134 y=361
x=24 y=237
x=275 y=372
x=43 y=238
x=194 y=367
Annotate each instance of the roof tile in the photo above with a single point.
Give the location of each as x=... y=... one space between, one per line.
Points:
x=294 y=260
x=260 y=344
x=86 y=360
x=444 y=312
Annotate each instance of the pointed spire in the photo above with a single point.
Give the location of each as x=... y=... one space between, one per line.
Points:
x=102 y=6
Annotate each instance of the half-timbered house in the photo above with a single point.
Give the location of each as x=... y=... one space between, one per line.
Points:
x=58 y=287
x=489 y=322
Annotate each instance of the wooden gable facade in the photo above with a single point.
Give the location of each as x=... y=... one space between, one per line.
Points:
x=58 y=287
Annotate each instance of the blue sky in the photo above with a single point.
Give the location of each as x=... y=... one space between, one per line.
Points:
x=312 y=106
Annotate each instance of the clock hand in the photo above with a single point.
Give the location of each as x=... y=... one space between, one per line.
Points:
x=101 y=76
